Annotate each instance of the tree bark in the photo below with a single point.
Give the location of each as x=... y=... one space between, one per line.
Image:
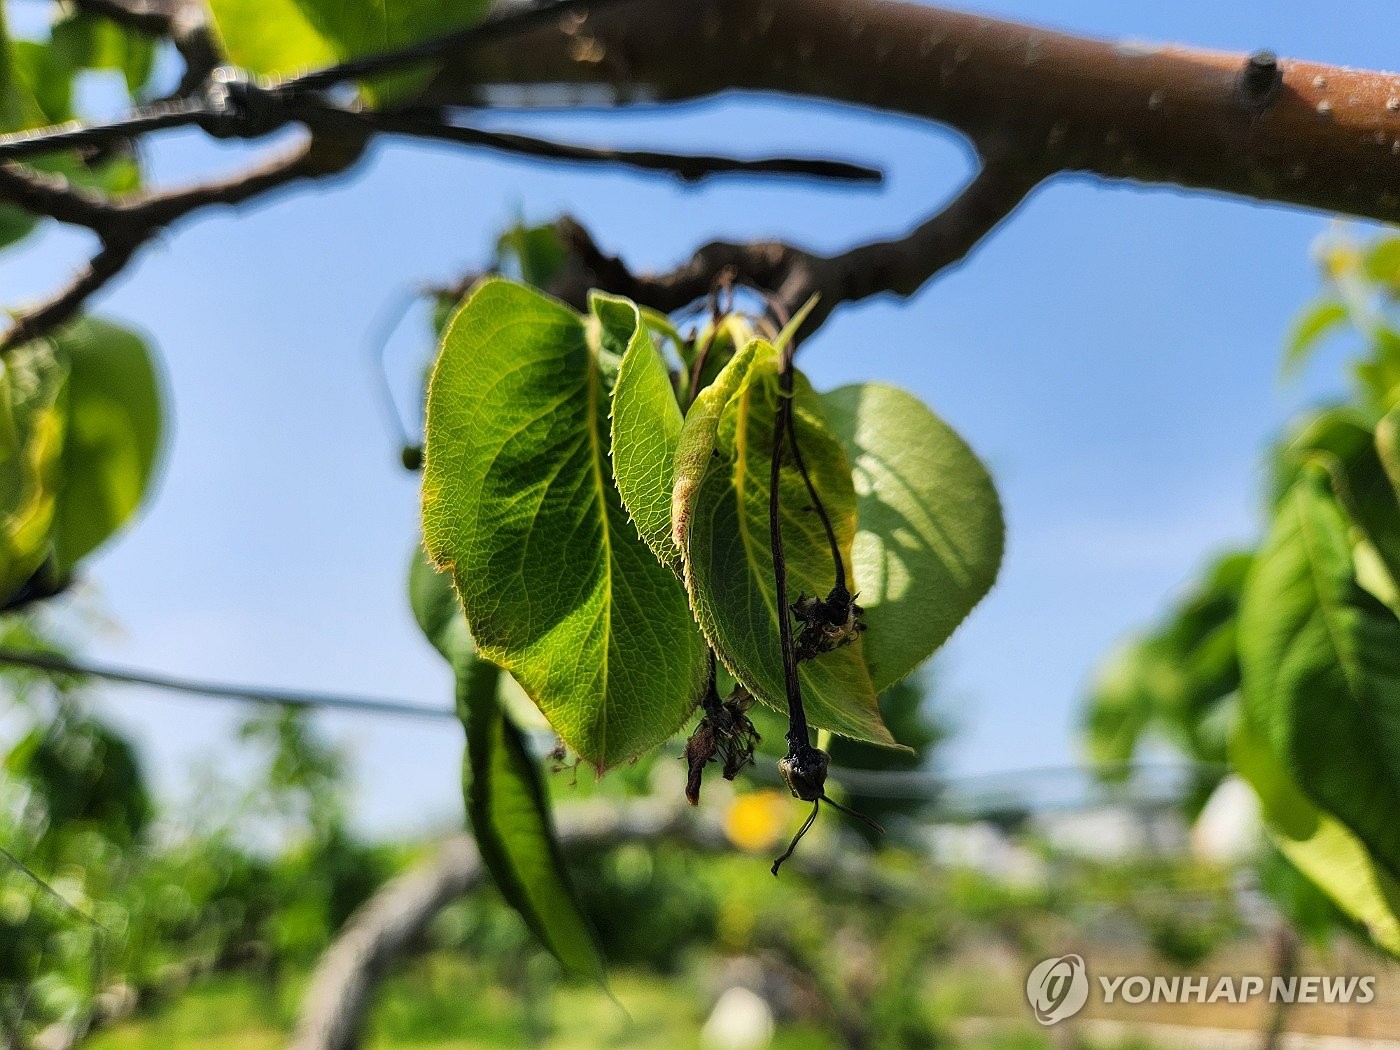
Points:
x=1297 y=132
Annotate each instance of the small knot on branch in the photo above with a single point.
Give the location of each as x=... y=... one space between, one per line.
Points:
x=1261 y=79
x=238 y=107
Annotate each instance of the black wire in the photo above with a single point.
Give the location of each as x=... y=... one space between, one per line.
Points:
x=52 y=663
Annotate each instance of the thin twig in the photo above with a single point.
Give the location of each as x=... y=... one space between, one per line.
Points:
x=126 y=224
x=901 y=265
x=433 y=124
x=144 y=16
x=74 y=134
x=67 y=301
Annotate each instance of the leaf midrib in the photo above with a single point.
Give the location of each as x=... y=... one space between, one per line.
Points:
x=593 y=380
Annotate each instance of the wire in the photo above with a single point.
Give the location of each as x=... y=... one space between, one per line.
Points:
x=33 y=876
x=52 y=663
x=911 y=785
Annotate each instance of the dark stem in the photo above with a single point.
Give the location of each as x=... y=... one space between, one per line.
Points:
x=797 y=735
x=869 y=822
x=710 y=700
x=702 y=355
x=792 y=846
x=817 y=505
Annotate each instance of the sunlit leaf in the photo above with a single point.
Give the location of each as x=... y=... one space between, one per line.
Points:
x=722 y=524
x=519 y=501
x=1316 y=322
x=31 y=446
x=274 y=37
x=930 y=535
x=112 y=405
x=646 y=432
x=1320 y=667
x=509 y=812
x=507 y=805
x=1318 y=845
x=1383 y=261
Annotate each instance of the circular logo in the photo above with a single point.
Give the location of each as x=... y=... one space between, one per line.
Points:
x=1057 y=988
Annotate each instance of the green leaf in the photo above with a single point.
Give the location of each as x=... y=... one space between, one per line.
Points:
x=1179 y=682
x=1344 y=444
x=646 y=432
x=507 y=804
x=1382 y=261
x=279 y=37
x=113 y=436
x=1123 y=702
x=519 y=501
x=509 y=812
x=31 y=445
x=36 y=88
x=722 y=525
x=1388 y=447
x=698 y=431
x=1318 y=845
x=45 y=74
x=90 y=42
x=1320 y=667
x=272 y=37
x=437 y=609
x=1379 y=374
x=534 y=254
x=1317 y=321
x=931 y=535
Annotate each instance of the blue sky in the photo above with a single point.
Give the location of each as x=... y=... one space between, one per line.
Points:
x=1111 y=352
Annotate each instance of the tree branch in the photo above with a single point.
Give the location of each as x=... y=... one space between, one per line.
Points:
x=151 y=17
x=433 y=124
x=901 y=265
x=1034 y=102
x=1297 y=132
x=184 y=22
x=125 y=225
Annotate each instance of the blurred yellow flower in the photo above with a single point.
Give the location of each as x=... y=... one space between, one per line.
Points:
x=757 y=821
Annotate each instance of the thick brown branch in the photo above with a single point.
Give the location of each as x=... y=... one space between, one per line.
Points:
x=1316 y=135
